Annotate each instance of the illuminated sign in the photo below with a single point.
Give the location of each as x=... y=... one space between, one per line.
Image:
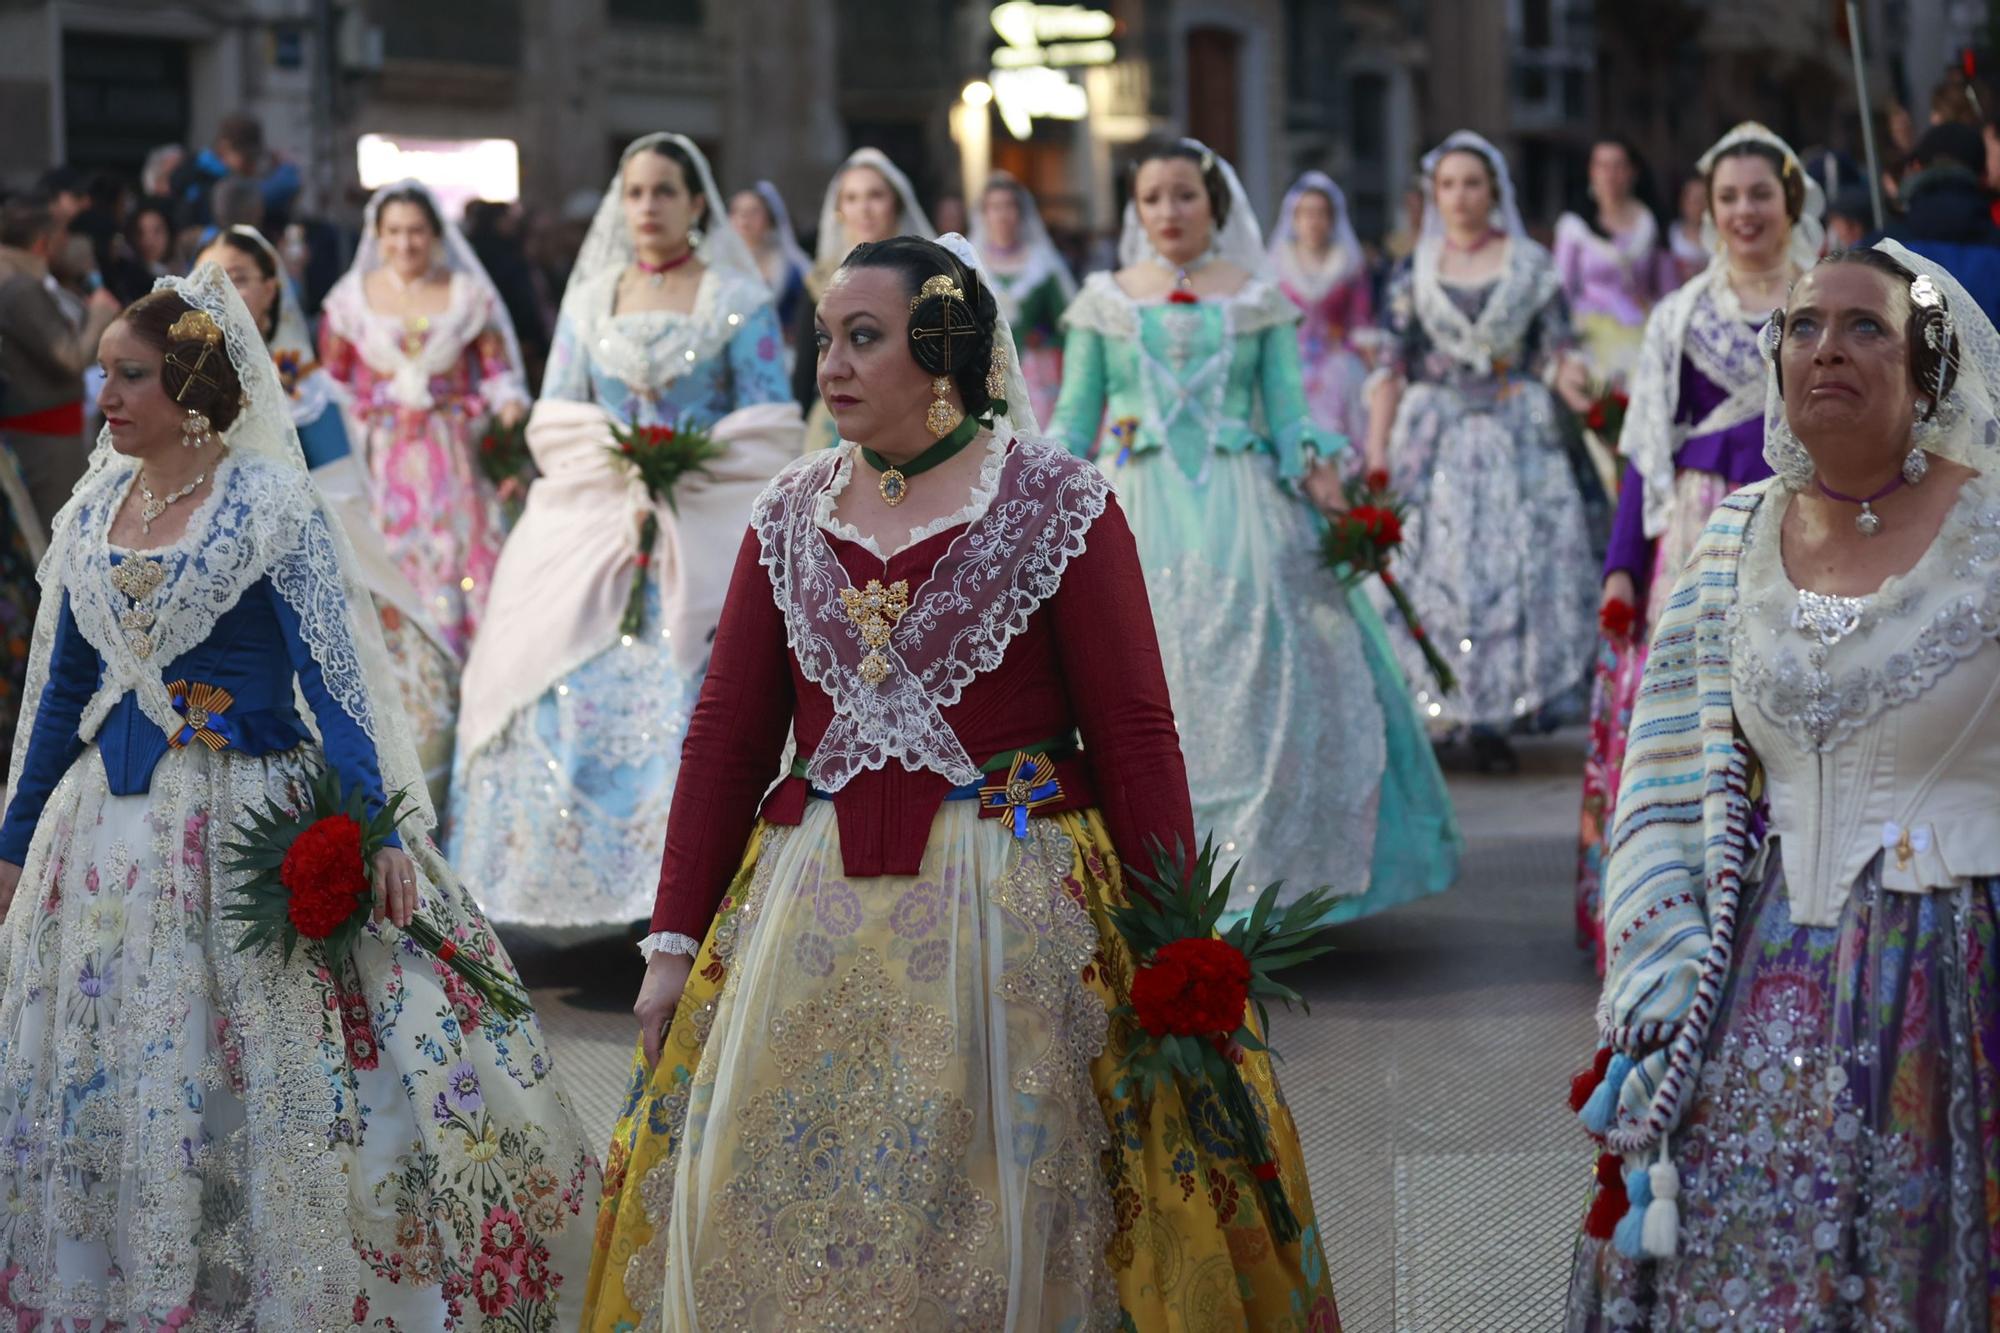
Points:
x=1039 y=42
x=456 y=170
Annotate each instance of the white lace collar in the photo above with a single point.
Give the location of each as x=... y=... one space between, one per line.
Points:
x=1106 y=308
x=974 y=508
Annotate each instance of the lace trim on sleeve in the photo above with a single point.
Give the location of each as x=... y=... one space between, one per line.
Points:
x=666 y=941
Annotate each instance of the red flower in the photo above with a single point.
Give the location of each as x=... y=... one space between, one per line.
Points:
x=1617 y=618
x=1597 y=417
x=1388 y=529
x=1192 y=988
x=324 y=874
x=654 y=436
x=1377 y=479
x=503 y=1237
x=492 y=1285
x=1182 y=296
x=535 y=1278
x=1623 y=400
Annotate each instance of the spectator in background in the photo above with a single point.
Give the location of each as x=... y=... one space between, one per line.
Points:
x=237 y=202
x=1947 y=212
x=156 y=178
x=495 y=233
x=150 y=234
x=43 y=356
x=113 y=263
x=1849 y=219
x=238 y=151
x=66 y=191
x=949 y=215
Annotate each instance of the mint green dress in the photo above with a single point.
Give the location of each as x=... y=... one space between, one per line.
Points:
x=1305 y=755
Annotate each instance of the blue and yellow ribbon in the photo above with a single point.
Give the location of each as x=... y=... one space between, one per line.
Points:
x=201 y=707
x=1031 y=783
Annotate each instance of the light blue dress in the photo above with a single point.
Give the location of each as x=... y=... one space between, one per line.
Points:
x=1305 y=755
x=558 y=819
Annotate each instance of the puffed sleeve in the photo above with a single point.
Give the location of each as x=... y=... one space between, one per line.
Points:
x=1079 y=409
x=74 y=673
x=1117 y=688
x=735 y=739
x=566 y=377
x=336 y=353
x=1294 y=434
x=757 y=361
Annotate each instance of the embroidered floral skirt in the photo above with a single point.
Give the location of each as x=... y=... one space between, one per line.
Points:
x=1840 y=1163
x=436 y=511
x=895 y=1103
x=557 y=820
x=426 y=677
x=1614 y=692
x=199 y=1138
x=1333 y=378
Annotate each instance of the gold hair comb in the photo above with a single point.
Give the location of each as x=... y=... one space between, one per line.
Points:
x=196 y=326
x=937 y=286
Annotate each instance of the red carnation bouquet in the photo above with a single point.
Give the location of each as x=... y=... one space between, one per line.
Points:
x=1618 y=618
x=1361 y=542
x=1605 y=416
x=660 y=457
x=308 y=874
x=1191 y=990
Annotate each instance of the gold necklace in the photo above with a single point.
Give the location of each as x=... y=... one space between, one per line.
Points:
x=154 y=506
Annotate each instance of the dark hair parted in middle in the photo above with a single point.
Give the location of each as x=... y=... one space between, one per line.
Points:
x=416 y=198
x=916 y=261
x=690 y=176
x=1205 y=162
x=1933 y=370
x=215 y=391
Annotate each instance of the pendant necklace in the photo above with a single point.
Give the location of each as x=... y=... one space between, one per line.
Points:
x=658 y=272
x=153 y=506
x=895 y=483
x=1867 y=522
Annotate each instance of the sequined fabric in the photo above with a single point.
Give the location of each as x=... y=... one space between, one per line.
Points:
x=895 y=1103
x=1840 y=1163
x=1497 y=554
x=205 y=1139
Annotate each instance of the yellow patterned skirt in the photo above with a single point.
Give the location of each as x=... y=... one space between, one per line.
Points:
x=895 y=1103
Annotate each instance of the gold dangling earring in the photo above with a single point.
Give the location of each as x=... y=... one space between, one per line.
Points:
x=996 y=374
x=942 y=418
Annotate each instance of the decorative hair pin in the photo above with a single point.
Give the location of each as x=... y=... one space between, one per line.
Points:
x=195 y=326
x=937 y=286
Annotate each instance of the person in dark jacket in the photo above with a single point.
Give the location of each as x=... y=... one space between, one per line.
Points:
x=1947 y=211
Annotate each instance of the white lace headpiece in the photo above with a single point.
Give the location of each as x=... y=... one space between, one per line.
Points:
x=292 y=333
x=453 y=253
x=1809 y=232
x=832 y=244
x=782 y=235
x=1040 y=258
x=1966 y=426
x=282 y=529
x=1239 y=240
x=1506 y=208
x=1020 y=414
x=1314 y=280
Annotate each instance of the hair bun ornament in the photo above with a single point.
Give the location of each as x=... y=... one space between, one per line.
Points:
x=944 y=333
x=196 y=326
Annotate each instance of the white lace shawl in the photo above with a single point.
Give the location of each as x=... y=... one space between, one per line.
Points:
x=980 y=595
x=1690 y=321
x=1527 y=282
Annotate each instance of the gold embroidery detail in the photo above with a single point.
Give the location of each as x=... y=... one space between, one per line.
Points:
x=853 y=1206
x=875 y=611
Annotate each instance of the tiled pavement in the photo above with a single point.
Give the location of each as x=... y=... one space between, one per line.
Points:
x=1428 y=1079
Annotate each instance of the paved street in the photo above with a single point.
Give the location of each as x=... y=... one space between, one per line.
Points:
x=1428 y=1079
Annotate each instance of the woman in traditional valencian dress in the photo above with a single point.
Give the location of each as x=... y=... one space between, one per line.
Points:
x=1798 y=1087
x=418 y=336
x=1190 y=352
x=868 y=199
x=1694 y=432
x=1497 y=555
x=426 y=671
x=1319 y=264
x=570 y=728
x=1613 y=261
x=889 y=1097
x=1030 y=280
x=200 y=1136
x=761 y=220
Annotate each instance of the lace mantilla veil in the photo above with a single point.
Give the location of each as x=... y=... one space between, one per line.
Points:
x=1343 y=260
x=284 y=529
x=1966 y=428
x=1239 y=240
x=831 y=244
